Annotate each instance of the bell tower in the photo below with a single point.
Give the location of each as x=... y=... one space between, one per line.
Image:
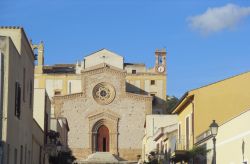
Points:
x=40 y=56
x=160 y=61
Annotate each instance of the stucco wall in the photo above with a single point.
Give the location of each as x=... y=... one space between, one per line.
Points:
x=17 y=132
x=221 y=101
x=153 y=123
x=58 y=82
x=143 y=83
x=104 y=56
x=230 y=139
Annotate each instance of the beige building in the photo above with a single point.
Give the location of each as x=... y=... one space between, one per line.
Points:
x=63 y=79
x=218 y=101
x=17 y=76
x=104 y=100
x=38 y=143
x=41 y=125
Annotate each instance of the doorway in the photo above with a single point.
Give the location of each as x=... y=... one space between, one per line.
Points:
x=103 y=139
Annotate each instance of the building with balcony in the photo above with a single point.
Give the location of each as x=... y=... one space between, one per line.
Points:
x=166 y=141
x=220 y=101
x=157 y=127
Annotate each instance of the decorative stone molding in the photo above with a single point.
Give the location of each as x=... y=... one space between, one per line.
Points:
x=105 y=68
x=103 y=93
x=69 y=96
x=145 y=74
x=138 y=97
x=110 y=120
x=104 y=113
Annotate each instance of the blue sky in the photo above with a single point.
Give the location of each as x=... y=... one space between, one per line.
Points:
x=204 y=45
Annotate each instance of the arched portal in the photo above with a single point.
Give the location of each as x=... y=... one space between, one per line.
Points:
x=103 y=139
x=103 y=135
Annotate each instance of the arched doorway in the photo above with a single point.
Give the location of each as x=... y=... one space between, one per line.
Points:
x=103 y=139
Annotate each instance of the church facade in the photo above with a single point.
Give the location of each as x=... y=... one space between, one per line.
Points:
x=104 y=100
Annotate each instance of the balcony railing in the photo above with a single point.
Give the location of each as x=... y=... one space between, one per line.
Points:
x=182 y=144
x=203 y=136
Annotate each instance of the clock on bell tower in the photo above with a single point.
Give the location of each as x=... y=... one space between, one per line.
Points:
x=160 y=61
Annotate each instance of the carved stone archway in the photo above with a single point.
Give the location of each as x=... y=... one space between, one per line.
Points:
x=110 y=120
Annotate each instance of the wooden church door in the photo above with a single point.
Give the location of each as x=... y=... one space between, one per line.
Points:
x=103 y=139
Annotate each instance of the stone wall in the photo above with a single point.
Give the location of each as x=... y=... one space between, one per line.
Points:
x=128 y=109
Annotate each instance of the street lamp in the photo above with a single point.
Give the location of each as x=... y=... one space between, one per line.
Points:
x=59 y=150
x=59 y=146
x=214 y=130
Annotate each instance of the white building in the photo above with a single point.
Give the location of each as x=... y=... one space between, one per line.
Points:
x=165 y=139
x=153 y=123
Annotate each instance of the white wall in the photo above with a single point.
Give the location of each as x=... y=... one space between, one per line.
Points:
x=110 y=58
x=230 y=137
x=153 y=123
x=52 y=85
x=229 y=141
x=74 y=86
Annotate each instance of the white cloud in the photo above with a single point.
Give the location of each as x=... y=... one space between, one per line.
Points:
x=218 y=18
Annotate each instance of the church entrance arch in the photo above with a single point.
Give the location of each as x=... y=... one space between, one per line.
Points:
x=103 y=135
x=103 y=139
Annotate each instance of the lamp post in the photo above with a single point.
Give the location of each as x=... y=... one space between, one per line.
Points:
x=214 y=130
x=59 y=150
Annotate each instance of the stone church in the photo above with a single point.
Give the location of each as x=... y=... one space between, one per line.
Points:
x=104 y=100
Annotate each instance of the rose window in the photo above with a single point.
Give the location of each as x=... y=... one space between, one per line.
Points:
x=104 y=93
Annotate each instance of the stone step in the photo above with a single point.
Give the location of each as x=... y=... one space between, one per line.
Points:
x=103 y=158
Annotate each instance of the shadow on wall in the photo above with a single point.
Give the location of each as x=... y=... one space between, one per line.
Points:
x=157 y=101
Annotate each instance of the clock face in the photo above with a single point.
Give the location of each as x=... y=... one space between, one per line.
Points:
x=104 y=93
x=161 y=69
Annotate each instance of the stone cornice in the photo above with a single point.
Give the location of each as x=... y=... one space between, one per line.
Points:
x=146 y=74
x=105 y=113
x=69 y=96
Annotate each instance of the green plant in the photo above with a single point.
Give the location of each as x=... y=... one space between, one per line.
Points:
x=197 y=151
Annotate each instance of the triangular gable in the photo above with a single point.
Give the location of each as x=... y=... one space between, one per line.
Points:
x=105 y=113
x=104 y=56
